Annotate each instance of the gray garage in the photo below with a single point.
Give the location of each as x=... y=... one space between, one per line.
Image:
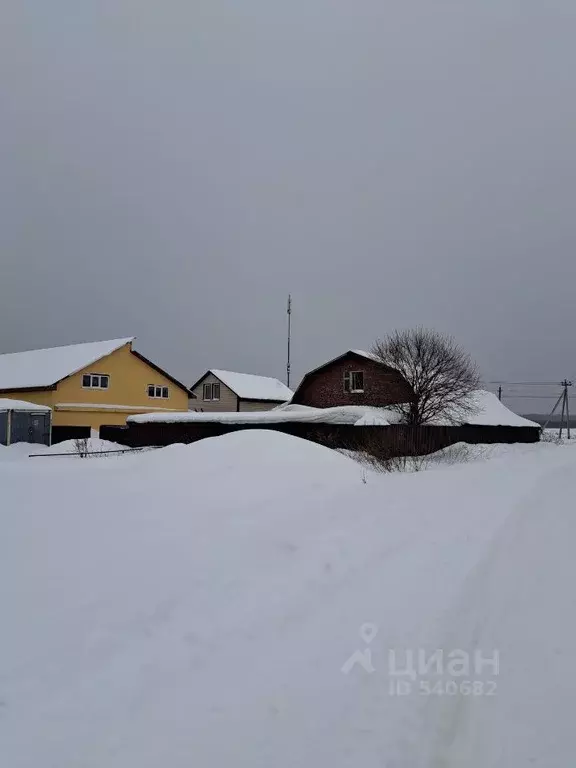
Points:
x=23 y=422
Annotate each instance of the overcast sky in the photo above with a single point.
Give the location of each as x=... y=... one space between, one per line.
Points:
x=171 y=170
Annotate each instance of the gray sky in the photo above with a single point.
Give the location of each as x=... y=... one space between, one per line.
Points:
x=171 y=170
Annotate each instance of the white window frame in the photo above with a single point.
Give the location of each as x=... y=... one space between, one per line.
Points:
x=211 y=386
x=348 y=381
x=158 y=392
x=99 y=377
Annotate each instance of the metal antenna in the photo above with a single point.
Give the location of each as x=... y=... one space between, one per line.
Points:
x=289 y=312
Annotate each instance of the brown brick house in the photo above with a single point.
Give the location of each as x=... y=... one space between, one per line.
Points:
x=354 y=378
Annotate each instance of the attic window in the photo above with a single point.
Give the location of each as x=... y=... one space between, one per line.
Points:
x=211 y=392
x=95 y=381
x=158 y=392
x=354 y=382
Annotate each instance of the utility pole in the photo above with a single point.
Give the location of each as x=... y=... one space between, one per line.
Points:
x=565 y=408
x=565 y=400
x=568 y=384
x=289 y=313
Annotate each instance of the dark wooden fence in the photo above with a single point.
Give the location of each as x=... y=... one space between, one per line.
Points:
x=393 y=440
x=59 y=434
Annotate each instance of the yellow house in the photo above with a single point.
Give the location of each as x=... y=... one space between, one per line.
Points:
x=88 y=385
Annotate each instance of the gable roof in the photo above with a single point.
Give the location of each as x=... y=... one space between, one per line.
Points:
x=42 y=368
x=362 y=353
x=163 y=372
x=248 y=386
x=355 y=352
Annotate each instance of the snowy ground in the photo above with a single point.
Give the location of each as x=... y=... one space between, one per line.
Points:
x=94 y=445
x=197 y=605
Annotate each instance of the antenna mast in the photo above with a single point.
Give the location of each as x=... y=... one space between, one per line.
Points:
x=289 y=312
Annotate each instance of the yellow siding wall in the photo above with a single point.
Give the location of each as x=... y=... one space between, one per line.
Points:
x=92 y=419
x=128 y=386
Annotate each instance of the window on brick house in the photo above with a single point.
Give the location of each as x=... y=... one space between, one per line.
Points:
x=211 y=392
x=354 y=381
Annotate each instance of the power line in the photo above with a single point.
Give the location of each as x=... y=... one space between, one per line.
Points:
x=534 y=397
x=527 y=383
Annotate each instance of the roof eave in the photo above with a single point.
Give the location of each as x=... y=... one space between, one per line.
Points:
x=47 y=388
x=201 y=379
x=164 y=373
x=125 y=341
x=212 y=371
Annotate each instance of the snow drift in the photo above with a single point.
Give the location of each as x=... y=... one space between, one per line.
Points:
x=196 y=605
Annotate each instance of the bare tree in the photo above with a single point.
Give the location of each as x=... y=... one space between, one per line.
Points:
x=441 y=374
x=81 y=447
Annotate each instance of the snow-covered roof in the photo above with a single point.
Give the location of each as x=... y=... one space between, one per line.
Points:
x=492 y=412
x=6 y=404
x=369 y=355
x=488 y=412
x=251 y=387
x=44 y=367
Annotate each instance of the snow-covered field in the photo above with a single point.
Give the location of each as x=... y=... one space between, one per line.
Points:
x=233 y=603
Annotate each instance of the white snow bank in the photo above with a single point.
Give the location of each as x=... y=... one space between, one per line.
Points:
x=6 y=404
x=252 y=387
x=18 y=451
x=43 y=367
x=372 y=419
x=262 y=450
x=198 y=603
x=93 y=445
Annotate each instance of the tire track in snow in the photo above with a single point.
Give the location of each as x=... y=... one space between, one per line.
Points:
x=509 y=603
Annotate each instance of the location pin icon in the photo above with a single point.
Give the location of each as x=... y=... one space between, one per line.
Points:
x=368 y=632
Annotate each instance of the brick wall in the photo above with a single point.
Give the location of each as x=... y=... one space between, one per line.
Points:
x=382 y=386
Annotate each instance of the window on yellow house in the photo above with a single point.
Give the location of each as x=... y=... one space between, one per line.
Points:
x=95 y=381
x=158 y=392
